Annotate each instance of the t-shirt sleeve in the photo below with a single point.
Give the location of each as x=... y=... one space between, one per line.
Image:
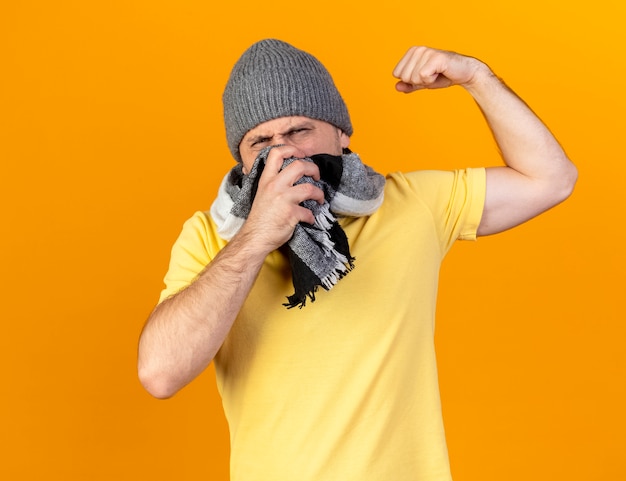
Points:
x=455 y=198
x=193 y=250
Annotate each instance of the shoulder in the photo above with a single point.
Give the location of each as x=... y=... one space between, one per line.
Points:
x=431 y=185
x=196 y=245
x=199 y=232
x=452 y=201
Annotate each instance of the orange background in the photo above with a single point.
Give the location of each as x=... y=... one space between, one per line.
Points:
x=111 y=136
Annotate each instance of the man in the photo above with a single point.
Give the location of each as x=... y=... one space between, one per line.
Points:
x=344 y=387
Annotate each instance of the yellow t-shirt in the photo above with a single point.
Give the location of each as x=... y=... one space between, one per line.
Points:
x=345 y=388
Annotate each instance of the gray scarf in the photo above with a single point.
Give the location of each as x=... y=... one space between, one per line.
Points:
x=319 y=254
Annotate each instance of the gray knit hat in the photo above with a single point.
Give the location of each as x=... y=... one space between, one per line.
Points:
x=273 y=79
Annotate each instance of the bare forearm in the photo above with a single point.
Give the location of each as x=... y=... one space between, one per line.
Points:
x=525 y=143
x=183 y=333
x=537 y=174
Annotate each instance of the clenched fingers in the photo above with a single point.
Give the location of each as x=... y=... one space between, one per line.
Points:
x=423 y=67
x=428 y=68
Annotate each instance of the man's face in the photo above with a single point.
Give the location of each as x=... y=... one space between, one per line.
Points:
x=308 y=135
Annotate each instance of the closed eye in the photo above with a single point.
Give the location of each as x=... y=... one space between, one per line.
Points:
x=260 y=141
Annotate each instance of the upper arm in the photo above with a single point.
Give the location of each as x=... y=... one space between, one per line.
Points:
x=512 y=198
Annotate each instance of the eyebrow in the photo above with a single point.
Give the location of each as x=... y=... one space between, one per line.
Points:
x=298 y=125
x=257 y=138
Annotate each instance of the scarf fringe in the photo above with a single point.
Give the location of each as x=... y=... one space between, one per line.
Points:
x=325 y=219
x=328 y=282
